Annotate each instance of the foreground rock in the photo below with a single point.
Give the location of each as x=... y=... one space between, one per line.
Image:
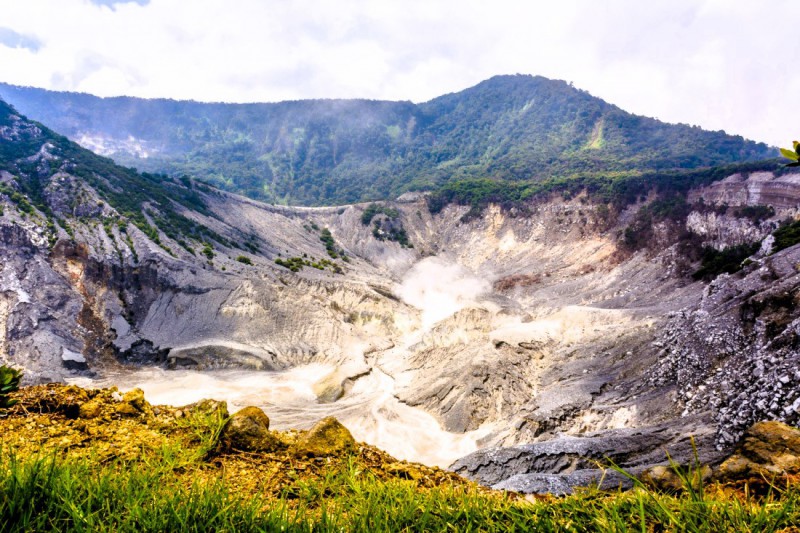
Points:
x=248 y=430
x=661 y=457
x=134 y=404
x=767 y=450
x=212 y=408
x=674 y=477
x=328 y=437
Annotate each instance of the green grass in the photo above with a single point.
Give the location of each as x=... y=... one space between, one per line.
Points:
x=44 y=495
x=171 y=494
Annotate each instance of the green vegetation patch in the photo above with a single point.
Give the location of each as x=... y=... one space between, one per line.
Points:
x=17 y=199
x=378 y=209
x=391 y=230
x=133 y=195
x=755 y=213
x=388 y=226
x=296 y=264
x=727 y=260
x=640 y=233
x=330 y=244
x=787 y=235
x=617 y=189
x=9 y=382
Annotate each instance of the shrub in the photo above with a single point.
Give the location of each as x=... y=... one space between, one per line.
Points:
x=376 y=209
x=756 y=213
x=244 y=259
x=728 y=260
x=787 y=235
x=9 y=382
x=330 y=244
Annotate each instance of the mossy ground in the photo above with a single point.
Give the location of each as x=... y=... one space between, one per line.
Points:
x=122 y=465
x=49 y=421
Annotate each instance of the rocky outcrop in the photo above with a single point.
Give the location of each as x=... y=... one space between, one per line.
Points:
x=757 y=188
x=40 y=310
x=737 y=353
x=134 y=404
x=559 y=464
x=723 y=231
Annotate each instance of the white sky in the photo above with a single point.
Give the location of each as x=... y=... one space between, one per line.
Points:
x=720 y=64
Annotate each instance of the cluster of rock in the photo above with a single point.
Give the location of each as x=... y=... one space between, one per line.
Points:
x=737 y=354
x=245 y=430
x=767 y=452
x=248 y=430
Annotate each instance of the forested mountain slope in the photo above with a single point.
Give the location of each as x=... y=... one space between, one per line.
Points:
x=322 y=152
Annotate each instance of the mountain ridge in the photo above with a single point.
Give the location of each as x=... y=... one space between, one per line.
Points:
x=322 y=152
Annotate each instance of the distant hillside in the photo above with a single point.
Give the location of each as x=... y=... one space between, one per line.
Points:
x=317 y=152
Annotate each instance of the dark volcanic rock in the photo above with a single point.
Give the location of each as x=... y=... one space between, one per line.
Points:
x=143 y=352
x=561 y=463
x=564 y=484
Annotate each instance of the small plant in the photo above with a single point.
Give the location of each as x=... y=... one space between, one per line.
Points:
x=794 y=155
x=208 y=251
x=9 y=382
x=296 y=264
x=244 y=259
x=330 y=243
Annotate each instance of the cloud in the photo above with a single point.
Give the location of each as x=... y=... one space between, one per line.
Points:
x=112 y=3
x=12 y=39
x=721 y=64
